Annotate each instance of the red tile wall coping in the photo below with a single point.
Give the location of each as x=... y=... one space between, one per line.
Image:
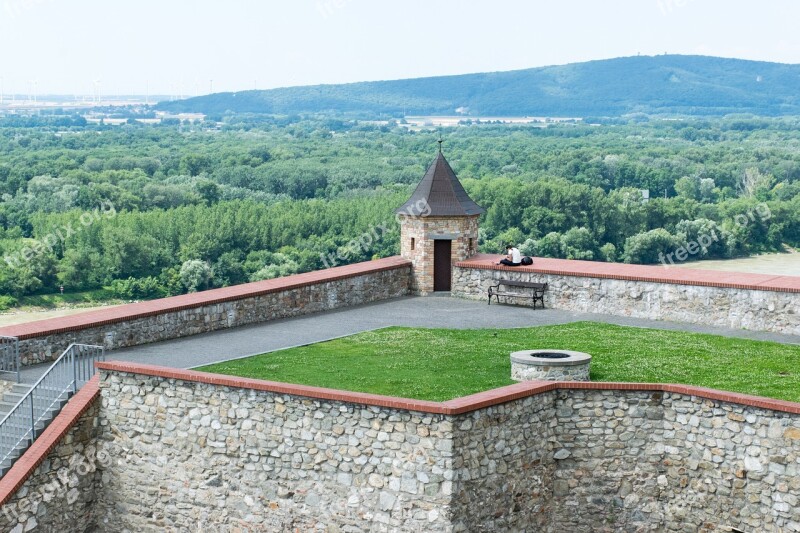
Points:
x=58 y=428
x=271 y=386
x=133 y=311
x=657 y=274
x=456 y=406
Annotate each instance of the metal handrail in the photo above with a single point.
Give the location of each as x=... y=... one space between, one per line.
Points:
x=9 y=356
x=63 y=379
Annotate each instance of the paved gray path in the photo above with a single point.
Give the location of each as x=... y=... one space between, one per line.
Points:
x=435 y=311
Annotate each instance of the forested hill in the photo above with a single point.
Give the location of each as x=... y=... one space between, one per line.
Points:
x=672 y=84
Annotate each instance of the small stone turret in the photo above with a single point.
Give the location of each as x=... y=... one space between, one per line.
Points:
x=438 y=227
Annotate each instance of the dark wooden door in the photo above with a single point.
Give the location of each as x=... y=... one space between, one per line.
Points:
x=441 y=265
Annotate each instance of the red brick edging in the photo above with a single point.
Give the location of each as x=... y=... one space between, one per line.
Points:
x=52 y=435
x=647 y=273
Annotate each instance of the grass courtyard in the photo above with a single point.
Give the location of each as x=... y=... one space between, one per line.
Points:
x=441 y=364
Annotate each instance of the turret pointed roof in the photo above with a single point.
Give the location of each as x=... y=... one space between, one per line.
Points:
x=444 y=194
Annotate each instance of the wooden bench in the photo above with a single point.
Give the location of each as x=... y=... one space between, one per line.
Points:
x=518 y=289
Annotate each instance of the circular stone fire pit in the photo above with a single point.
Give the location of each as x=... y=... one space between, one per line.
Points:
x=550 y=365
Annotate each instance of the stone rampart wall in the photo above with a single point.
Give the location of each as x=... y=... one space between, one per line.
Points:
x=760 y=310
x=201 y=457
x=191 y=314
x=628 y=461
x=53 y=486
x=503 y=468
x=195 y=451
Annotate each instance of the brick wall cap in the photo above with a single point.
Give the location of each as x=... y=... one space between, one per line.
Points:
x=646 y=273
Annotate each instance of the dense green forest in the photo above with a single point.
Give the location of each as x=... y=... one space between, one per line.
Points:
x=146 y=211
x=665 y=84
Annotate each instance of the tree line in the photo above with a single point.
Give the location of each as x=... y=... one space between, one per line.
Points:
x=251 y=197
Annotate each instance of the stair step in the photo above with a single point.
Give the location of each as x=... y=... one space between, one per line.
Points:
x=43 y=397
x=12 y=394
x=49 y=416
x=7 y=406
x=18 y=392
x=52 y=412
x=16 y=454
x=13 y=399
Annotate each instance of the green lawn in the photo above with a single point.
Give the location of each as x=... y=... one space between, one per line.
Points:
x=441 y=364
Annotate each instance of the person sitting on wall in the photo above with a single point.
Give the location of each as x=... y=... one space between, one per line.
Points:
x=513 y=257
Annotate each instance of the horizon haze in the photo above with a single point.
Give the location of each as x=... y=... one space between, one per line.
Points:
x=185 y=49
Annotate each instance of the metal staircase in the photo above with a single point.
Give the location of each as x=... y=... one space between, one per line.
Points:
x=26 y=410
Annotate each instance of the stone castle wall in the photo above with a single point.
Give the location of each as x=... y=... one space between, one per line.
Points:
x=134 y=324
x=189 y=454
x=321 y=295
x=201 y=457
x=760 y=310
x=629 y=461
x=503 y=467
x=60 y=493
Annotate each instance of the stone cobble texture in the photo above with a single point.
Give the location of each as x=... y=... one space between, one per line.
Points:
x=503 y=467
x=60 y=494
x=523 y=372
x=606 y=472
x=639 y=461
x=180 y=455
x=6 y=383
x=196 y=456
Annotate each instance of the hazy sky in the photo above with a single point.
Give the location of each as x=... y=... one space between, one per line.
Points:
x=178 y=46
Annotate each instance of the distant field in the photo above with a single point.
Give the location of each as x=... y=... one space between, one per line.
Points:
x=441 y=364
x=778 y=264
x=42 y=306
x=22 y=317
x=456 y=120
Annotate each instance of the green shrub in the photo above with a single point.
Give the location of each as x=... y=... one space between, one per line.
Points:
x=649 y=247
x=146 y=288
x=7 y=302
x=608 y=252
